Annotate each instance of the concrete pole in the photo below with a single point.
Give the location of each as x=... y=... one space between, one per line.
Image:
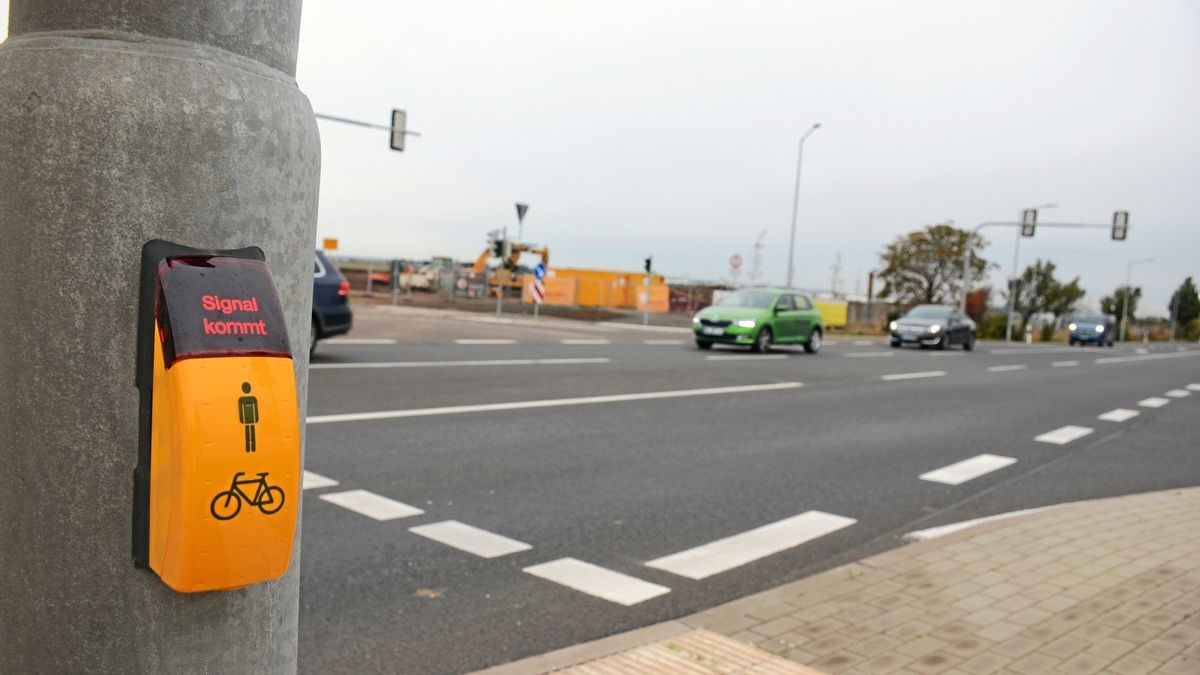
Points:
x=127 y=121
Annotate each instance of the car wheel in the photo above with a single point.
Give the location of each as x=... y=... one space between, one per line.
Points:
x=762 y=342
x=814 y=342
x=312 y=339
x=895 y=343
x=970 y=343
x=702 y=344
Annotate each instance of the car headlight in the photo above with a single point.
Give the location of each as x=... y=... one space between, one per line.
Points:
x=746 y=323
x=1071 y=326
x=1100 y=329
x=893 y=325
x=695 y=319
x=935 y=329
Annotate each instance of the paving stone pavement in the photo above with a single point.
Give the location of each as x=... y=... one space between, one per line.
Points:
x=1106 y=586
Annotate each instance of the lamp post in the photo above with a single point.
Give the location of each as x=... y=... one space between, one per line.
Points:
x=1129 y=292
x=1011 y=294
x=796 y=204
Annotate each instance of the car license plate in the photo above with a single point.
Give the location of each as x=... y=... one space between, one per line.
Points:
x=710 y=330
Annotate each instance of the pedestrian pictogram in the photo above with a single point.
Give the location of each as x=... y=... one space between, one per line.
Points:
x=248 y=415
x=228 y=503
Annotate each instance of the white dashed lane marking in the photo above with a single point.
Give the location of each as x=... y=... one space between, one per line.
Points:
x=868 y=355
x=1178 y=393
x=470 y=539
x=371 y=505
x=913 y=376
x=1193 y=387
x=359 y=341
x=1063 y=435
x=1153 y=402
x=598 y=581
x=746 y=357
x=585 y=341
x=968 y=469
x=1006 y=369
x=740 y=549
x=662 y=342
x=1064 y=364
x=458 y=364
x=550 y=403
x=1119 y=415
x=315 y=481
x=484 y=341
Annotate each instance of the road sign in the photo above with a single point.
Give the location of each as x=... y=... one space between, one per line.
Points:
x=540 y=271
x=329 y=244
x=735 y=261
x=521 y=209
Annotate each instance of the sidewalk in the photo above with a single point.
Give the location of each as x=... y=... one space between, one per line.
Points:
x=1108 y=586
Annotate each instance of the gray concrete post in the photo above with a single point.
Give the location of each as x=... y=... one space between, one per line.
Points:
x=123 y=122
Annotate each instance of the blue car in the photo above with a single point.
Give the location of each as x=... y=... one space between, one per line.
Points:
x=331 y=302
x=1097 y=329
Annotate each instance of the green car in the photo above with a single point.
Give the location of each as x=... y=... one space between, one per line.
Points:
x=758 y=318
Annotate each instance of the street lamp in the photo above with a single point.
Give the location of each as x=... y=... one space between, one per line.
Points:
x=796 y=204
x=1128 y=292
x=1011 y=293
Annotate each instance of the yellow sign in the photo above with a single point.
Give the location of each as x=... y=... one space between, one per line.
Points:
x=329 y=244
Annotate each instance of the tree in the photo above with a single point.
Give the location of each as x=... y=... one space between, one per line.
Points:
x=977 y=303
x=1064 y=299
x=1038 y=291
x=1115 y=304
x=1189 y=303
x=925 y=266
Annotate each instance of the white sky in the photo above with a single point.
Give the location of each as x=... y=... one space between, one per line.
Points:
x=648 y=126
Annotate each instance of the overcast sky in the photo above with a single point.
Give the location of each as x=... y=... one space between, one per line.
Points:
x=670 y=128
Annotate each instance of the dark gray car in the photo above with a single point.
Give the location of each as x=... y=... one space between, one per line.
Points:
x=939 y=326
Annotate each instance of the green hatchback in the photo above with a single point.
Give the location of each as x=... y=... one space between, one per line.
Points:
x=758 y=318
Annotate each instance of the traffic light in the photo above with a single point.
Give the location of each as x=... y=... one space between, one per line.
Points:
x=648 y=261
x=399 y=121
x=1028 y=222
x=1120 y=225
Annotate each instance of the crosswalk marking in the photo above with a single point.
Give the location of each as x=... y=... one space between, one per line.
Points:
x=1064 y=435
x=968 y=469
x=315 y=481
x=470 y=539
x=585 y=341
x=1153 y=402
x=1005 y=369
x=740 y=549
x=371 y=505
x=598 y=581
x=1179 y=393
x=913 y=376
x=1119 y=415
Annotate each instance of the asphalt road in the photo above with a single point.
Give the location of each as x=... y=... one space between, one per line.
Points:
x=618 y=446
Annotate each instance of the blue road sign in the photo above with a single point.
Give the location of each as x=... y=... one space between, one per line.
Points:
x=540 y=271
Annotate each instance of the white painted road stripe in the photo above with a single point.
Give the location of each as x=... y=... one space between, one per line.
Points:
x=968 y=469
x=458 y=364
x=868 y=355
x=315 y=481
x=1064 y=364
x=470 y=539
x=747 y=357
x=1147 y=357
x=1031 y=350
x=550 y=403
x=1119 y=415
x=862 y=343
x=359 y=341
x=1153 y=402
x=1193 y=387
x=1006 y=369
x=484 y=341
x=585 y=341
x=740 y=549
x=1178 y=393
x=1063 y=435
x=662 y=342
x=371 y=505
x=595 y=580
x=913 y=376
x=943 y=530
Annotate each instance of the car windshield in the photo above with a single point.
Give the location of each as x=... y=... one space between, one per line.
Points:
x=928 y=312
x=759 y=299
x=1089 y=319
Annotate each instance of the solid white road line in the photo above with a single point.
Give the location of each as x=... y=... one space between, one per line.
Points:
x=358 y=341
x=1147 y=357
x=943 y=530
x=550 y=403
x=484 y=341
x=1006 y=369
x=868 y=355
x=1141 y=350
x=1118 y=415
x=662 y=342
x=1063 y=435
x=1178 y=393
x=458 y=364
x=1153 y=402
x=863 y=343
x=740 y=549
x=746 y=357
x=598 y=581
x=470 y=539
x=1193 y=387
x=1031 y=350
x=315 y=481
x=1064 y=364
x=371 y=505
x=968 y=469
x=913 y=376
x=585 y=341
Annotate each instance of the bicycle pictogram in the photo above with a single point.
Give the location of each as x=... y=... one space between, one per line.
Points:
x=228 y=503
